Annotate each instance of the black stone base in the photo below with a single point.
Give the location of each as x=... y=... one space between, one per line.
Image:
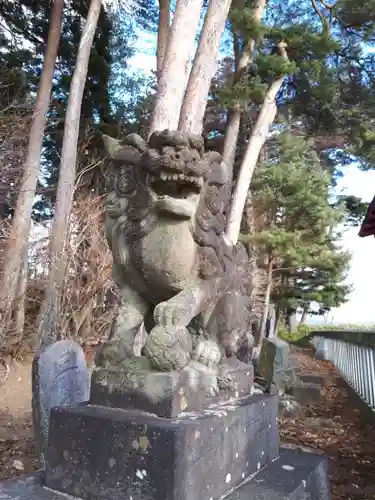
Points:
x=165 y=394
x=295 y=475
x=99 y=453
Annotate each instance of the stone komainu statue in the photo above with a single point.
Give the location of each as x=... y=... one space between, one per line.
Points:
x=177 y=275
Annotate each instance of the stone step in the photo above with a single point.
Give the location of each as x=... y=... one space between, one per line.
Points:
x=295 y=475
x=28 y=488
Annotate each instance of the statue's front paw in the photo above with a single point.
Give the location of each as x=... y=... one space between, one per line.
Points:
x=168 y=348
x=207 y=353
x=172 y=313
x=112 y=353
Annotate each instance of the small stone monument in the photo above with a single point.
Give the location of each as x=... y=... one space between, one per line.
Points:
x=59 y=377
x=275 y=366
x=176 y=419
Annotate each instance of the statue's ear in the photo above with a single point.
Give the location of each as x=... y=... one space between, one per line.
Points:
x=122 y=151
x=113 y=147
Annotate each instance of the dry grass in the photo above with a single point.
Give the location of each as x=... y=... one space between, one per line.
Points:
x=89 y=297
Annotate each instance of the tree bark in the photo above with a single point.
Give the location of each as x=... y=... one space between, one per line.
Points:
x=195 y=99
x=258 y=137
x=163 y=32
x=172 y=82
x=267 y=298
x=305 y=312
x=18 y=238
x=234 y=114
x=49 y=315
x=19 y=304
x=278 y=318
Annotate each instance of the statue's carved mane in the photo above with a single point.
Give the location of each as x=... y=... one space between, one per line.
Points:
x=129 y=206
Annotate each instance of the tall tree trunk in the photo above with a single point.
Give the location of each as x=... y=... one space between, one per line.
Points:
x=258 y=137
x=49 y=315
x=195 y=99
x=172 y=82
x=18 y=239
x=278 y=317
x=234 y=114
x=267 y=298
x=292 y=323
x=304 y=315
x=19 y=305
x=163 y=32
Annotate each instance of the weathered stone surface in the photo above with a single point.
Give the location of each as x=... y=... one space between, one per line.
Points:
x=312 y=379
x=59 y=377
x=289 y=407
x=306 y=394
x=295 y=475
x=178 y=276
x=28 y=488
x=275 y=365
x=167 y=394
x=100 y=453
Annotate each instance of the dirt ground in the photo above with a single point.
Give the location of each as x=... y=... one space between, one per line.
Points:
x=339 y=429
x=335 y=427
x=17 y=447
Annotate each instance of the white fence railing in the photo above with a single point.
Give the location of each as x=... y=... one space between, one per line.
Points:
x=355 y=362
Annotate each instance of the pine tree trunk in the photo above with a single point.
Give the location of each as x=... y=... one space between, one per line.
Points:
x=291 y=316
x=267 y=298
x=19 y=305
x=163 y=32
x=172 y=82
x=195 y=99
x=49 y=315
x=258 y=137
x=305 y=312
x=234 y=114
x=18 y=239
x=278 y=318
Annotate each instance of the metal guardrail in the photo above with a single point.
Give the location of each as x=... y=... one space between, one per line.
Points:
x=355 y=362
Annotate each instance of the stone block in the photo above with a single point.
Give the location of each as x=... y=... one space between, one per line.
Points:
x=306 y=394
x=295 y=475
x=165 y=394
x=312 y=379
x=99 y=453
x=275 y=365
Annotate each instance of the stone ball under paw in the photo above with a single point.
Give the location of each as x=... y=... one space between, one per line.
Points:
x=168 y=348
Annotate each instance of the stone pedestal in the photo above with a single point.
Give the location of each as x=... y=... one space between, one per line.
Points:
x=228 y=449
x=98 y=453
x=294 y=475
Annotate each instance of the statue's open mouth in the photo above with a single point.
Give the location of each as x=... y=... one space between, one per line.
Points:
x=175 y=193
